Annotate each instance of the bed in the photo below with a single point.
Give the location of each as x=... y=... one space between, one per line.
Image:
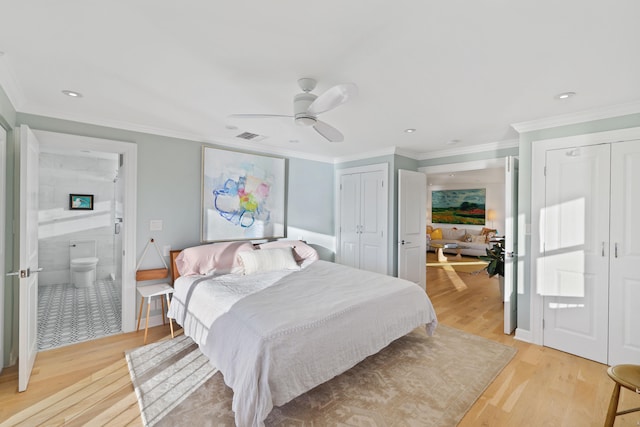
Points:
x=278 y=328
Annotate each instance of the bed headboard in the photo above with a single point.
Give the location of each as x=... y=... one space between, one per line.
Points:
x=174 y=270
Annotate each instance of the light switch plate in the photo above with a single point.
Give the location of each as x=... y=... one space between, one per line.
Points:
x=155 y=225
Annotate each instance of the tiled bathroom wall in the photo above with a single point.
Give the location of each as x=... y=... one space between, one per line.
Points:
x=61 y=175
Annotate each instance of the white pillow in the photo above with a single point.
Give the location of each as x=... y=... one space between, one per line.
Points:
x=268 y=260
x=301 y=251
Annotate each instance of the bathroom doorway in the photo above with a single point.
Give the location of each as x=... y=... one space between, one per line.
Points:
x=83 y=217
x=79 y=297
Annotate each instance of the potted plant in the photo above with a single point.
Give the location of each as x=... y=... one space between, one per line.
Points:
x=495 y=260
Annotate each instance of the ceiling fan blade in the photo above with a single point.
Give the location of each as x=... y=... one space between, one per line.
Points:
x=329 y=132
x=256 y=116
x=333 y=97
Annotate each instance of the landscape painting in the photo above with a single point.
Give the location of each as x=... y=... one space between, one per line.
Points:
x=458 y=206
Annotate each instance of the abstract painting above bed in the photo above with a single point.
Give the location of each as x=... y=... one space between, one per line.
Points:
x=243 y=196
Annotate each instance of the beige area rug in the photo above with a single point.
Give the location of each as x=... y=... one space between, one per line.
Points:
x=416 y=381
x=463 y=265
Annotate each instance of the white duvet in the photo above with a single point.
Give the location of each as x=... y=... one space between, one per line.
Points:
x=276 y=335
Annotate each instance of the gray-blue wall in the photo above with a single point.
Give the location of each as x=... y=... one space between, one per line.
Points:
x=169 y=186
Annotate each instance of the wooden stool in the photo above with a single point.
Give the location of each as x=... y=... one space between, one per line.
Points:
x=148 y=292
x=627 y=376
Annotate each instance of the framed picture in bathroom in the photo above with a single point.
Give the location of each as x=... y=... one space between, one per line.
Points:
x=81 y=202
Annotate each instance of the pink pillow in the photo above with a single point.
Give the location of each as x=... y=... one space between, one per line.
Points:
x=301 y=251
x=220 y=258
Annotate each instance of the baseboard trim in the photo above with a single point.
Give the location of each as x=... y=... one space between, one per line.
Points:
x=523 y=335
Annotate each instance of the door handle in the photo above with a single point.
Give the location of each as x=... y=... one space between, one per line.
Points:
x=25 y=273
x=511 y=254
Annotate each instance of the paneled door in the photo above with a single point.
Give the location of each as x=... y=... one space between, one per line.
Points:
x=510 y=244
x=3 y=280
x=624 y=254
x=412 y=224
x=575 y=266
x=362 y=216
x=28 y=272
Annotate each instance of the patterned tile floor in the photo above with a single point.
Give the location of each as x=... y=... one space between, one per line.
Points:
x=68 y=315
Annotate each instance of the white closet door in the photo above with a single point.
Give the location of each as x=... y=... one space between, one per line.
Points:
x=350 y=220
x=373 y=222
x=574 y=263
x=624 y=334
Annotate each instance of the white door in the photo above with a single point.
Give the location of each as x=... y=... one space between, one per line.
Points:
x=373 y=222
x=349 y=220
x=624 y=254
x=3 y=168
x=510 y=244
x=574 y=243
x=412 y=224
x=28 y=317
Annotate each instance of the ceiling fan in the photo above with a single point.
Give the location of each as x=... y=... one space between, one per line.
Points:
x=307 y=107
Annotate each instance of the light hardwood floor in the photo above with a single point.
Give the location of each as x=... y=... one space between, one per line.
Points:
x=89 y=383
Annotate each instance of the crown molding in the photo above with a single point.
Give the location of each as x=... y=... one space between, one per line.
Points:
x=389 y=151
x=238 y=145
x=10 y=84
x=482 y=148
x=578 y=117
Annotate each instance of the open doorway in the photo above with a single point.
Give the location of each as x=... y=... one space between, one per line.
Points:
x=86 y=287
x=496 y=178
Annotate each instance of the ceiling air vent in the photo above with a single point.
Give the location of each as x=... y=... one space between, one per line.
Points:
x=251 y=136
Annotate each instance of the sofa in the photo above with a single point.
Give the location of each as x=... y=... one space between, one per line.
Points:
x=475 y=241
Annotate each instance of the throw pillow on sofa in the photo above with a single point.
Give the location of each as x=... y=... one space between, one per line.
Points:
x=479 y=239
x=436 y=234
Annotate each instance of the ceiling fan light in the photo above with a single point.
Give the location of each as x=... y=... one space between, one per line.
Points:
x=305 y=120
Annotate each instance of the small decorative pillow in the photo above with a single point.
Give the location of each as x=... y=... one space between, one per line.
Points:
x=467 y=238
x=220 y=258
x=266 y=260
x=301 y=251
x=478 y=239
x=436 y=234
x=490 y=235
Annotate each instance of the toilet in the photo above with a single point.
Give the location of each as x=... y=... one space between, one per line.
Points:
x=83 y=262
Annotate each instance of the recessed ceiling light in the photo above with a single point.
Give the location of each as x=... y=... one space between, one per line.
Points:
x=565 y=95
x=72 y=93
x=409 y=130
x=453 y=141
x=294 y=141
x=231 y=127
x=452 y=174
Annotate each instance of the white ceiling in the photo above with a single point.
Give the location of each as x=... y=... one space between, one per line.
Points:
x=453 y=70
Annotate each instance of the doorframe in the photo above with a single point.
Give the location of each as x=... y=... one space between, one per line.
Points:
x=129 y=152
x=469 y=166
x=538 y=161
